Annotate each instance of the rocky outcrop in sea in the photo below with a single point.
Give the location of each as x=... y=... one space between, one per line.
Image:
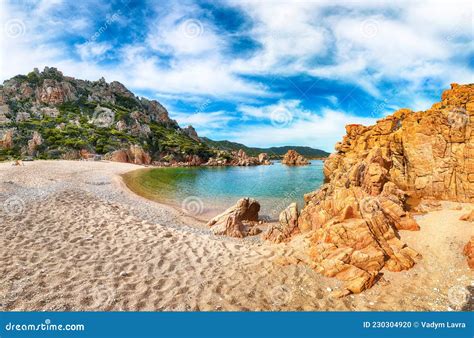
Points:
x=238 y=158
x=292 y=158
x=374 y=181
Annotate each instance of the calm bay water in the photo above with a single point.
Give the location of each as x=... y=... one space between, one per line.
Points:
x=206 y=191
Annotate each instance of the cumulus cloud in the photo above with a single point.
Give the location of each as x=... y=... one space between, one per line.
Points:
x=92 y=50
x=204 y=120
x=184 y=53
x=269 y=112
x=322 y=130
x=365 y=42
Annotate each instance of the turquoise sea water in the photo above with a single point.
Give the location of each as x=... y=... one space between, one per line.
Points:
x=206 y=191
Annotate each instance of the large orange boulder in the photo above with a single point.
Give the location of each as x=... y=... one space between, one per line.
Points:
x=286 y=226
x=469 y=252
x=354 y=218
x=293 y=158
x=238 y=220
x=6 y=138
x=135 y=154
x=468 y=217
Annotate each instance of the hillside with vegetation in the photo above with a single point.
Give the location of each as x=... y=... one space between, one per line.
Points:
x=273 y=152
x=48 y=115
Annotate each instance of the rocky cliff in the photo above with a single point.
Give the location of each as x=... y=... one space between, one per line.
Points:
x=49 y=115
x=376 y=176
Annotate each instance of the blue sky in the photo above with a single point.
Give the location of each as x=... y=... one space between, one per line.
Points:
x=258 y=72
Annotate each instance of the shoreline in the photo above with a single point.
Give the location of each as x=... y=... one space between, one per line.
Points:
x=123 y=178
x=208 y=198
x=83 y=241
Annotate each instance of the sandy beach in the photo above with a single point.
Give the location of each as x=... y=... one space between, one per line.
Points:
x=75 y=238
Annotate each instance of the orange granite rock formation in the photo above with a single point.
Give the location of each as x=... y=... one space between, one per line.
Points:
x=134 y=154
x=286 y=226
x=468 y=217
x=356 y=215
x=293 y=158
x=237 y=221
x=469 y=252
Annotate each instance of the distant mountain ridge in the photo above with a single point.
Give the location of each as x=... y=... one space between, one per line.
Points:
x=273 y=152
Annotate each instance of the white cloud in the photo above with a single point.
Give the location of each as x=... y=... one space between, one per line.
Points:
x=93 y=50
x=209 y=77
x=288 y=33
x=368 y=41
x=181 y=34
x=184 y=56
x=313 y=130
x=361 y=43
x=209 y=124
x=269 y=112
x=44 y=6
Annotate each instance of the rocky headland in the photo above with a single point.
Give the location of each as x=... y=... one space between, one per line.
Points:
x=292 y=158
x=48 y=115
x=375 y=180
x=380 y=177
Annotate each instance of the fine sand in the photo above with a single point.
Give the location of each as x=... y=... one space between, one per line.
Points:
x=74 y=238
